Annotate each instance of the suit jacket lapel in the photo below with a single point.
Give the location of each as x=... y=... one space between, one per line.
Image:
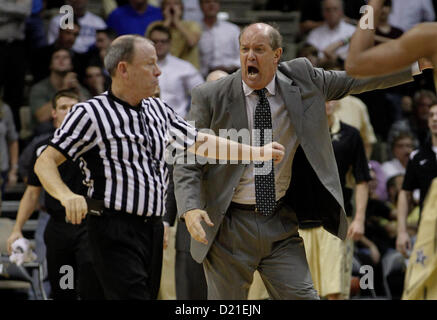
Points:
x=292 y=99
x=236 y=105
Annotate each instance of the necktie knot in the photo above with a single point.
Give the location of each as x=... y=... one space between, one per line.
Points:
x=261 y=93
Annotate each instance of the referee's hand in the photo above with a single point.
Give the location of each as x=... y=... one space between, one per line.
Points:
x=193 y=219
x=76 y=208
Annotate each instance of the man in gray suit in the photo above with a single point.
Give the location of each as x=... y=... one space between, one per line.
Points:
x=236 y=229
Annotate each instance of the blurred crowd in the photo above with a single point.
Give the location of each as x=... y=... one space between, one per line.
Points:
x=39 y=56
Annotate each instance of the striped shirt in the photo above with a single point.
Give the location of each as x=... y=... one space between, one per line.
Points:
x=122 y=150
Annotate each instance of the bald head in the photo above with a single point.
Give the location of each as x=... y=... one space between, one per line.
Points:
x=215 y=75
x=267 y=30
x=123 y=49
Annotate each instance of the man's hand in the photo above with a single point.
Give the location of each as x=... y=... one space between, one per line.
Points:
x=273 y=151
x=403 y=243
x=70 y=81
x=193 y=219
x=76 y=208
x=14 y=236
x=166 y=232
x=356 y=230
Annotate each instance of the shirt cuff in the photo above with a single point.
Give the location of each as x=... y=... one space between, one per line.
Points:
x=415 y=69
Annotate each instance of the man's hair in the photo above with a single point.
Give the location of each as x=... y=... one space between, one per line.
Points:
x=75 y=22
x=70 y=93
x=161 y=28
x=387 y=3
x=111 y=33
x=122 y=50
x=274 y=35
x=181 y=2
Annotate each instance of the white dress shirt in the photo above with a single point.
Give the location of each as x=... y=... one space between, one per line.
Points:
x=283 y=132
x=219 y=46
x=323 y=36
x=405 y=14
x=177 y=80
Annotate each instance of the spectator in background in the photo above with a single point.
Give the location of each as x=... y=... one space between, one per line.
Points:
x=42 y=56
x=95 y=80
x=88 y=22
x=96 y=54
x=35 y=32
x=8 y=147
x=133 y=18
x=192 y=11
x=401 y=147
x=219 y=46
x=384 y=28
x=61 y=77
x=334 y=30
x=13 y=15
x=421 y=170
x=311 y=53
x=185 y=35
x=417 y=121
x=178 y=77
x=406 y=14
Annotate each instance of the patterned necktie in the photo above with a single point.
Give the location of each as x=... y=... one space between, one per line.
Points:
x=264 y=173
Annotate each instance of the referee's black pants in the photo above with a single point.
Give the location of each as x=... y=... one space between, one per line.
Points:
x=68 y=245
x=127 y=254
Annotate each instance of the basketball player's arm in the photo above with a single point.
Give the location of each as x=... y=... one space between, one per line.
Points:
x=28 y=205
x=364 y=60
x=403 y=242
x=46 y=168
x=356 y=228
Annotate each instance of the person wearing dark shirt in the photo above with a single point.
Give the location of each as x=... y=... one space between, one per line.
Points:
x=421 y=170
x=329 y=258
x=42 y=56
x=67 y=244
x=384 y=29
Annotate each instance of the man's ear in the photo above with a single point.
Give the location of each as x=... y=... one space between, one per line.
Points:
x=54 y=112
x=278 y=54
x=122 y=69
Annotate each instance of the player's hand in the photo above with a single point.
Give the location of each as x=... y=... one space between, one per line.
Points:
x=356 y=230
x=76 y=208
x=375 y=255
x=193 y=220
x=166 y=232
x=273 y=151
x=403 y=243
x=14 y=236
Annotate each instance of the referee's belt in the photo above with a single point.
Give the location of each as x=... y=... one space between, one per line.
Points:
x=252 y=207
x=97 y=208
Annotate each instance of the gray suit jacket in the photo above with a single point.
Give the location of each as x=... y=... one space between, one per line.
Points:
x=304 y=89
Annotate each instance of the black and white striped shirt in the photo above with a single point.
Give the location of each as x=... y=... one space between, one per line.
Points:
x=122 y=150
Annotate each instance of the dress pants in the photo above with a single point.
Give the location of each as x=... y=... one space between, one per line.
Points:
x=68 y=244
x=127 y=254
x=248 y=241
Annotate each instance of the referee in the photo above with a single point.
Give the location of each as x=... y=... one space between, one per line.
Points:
x=121 y=136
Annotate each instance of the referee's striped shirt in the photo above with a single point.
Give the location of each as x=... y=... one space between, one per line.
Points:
x=122 y=150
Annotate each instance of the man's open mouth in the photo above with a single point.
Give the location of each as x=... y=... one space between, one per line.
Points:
x=252 y=71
